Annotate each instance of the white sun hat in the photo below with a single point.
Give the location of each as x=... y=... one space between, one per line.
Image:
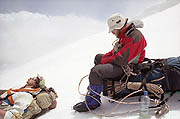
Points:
x=116 y=21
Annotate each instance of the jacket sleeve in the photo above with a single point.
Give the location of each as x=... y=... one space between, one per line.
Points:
x=110 y=53
x=122 y=54
x=128 y=52
x=106 y=57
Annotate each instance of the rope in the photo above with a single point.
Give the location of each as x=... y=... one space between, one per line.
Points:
x=113 y=43
x=110 y=114
x=107 y=98
x=161 y=78
x=118 y=102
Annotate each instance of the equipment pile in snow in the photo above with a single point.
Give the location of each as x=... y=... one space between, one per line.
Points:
x=157 y=76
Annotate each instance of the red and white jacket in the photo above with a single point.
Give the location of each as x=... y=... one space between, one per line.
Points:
x=128 y=49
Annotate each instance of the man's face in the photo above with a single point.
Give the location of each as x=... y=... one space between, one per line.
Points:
x=116 y=32
x=31 y=82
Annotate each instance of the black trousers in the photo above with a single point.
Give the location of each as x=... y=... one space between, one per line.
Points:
x=101 y=72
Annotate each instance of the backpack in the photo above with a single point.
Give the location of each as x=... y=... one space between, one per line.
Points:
x=40 y=104
x=156 y=75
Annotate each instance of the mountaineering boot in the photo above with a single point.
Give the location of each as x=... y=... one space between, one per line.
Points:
x=93 y=101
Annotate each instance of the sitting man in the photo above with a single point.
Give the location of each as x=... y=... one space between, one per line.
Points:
x=15 y=103
x=128 y=49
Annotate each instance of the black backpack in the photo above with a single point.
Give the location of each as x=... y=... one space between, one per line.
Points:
x=150 y=71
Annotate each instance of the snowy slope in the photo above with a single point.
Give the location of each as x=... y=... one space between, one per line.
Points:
x=162 y=33
x=25 y=36
x=65 y=67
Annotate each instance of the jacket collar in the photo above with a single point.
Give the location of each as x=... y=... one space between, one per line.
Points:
x=127 y=30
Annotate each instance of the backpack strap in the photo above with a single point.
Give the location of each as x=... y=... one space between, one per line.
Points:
x=9 y=93
x=41 y=104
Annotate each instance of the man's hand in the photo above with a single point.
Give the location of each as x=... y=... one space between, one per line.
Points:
x=117 y=47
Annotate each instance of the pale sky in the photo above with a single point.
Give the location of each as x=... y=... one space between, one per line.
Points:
x=98 y=9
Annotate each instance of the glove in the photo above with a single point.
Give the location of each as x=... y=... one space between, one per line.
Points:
x=117 y=46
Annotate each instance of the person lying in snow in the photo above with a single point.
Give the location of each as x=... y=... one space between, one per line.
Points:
x=128 y=49
x=28 y=101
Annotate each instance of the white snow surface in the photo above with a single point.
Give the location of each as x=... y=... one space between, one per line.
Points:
x=64 y=68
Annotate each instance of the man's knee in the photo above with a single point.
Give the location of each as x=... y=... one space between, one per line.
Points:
x=98 y=58
x=95 y=77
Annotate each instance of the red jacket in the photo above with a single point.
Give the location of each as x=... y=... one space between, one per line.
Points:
x=131 y=49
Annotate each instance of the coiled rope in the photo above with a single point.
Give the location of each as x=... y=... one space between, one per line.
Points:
x=110 y=113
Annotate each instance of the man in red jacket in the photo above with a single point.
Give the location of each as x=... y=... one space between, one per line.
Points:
x=128 y=49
